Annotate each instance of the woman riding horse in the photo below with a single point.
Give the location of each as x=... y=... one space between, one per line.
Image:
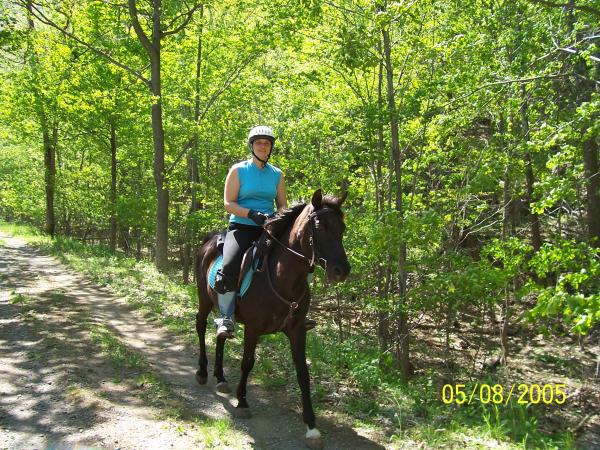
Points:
x=251 y=188
x=278 y=299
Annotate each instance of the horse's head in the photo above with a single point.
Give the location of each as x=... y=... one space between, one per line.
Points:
x=328 y=229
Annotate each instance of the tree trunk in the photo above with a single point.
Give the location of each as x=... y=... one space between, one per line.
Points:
x=158 y=135
x=592 y=177
x=402 y=323
x=49 y=141
x=506 y=232
x=113 y=187
x=192 y=162
x=383 y=325
x=591 y=166
x=536 y=238
x=153 y=48
x=50 y=176
x=506 y=303
x=585 y=88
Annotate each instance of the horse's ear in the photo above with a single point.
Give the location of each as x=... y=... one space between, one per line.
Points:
x=317 y=199
x=342 y=198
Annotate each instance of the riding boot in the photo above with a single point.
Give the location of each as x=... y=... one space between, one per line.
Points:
x=225 y=324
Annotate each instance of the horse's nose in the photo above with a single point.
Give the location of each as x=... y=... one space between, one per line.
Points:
x=340 y=272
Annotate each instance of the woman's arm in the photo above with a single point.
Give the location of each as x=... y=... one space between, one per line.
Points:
x=232 y=190
x=281 y=198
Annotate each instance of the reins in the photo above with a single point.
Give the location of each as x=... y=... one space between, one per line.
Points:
x=293 y=305
x=310 y=261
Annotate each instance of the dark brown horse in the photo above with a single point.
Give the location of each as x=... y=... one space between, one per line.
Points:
x=279 y=297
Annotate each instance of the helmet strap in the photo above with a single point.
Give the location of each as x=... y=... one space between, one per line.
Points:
x=263 y=161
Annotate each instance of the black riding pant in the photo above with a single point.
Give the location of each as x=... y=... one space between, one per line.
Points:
x=238 y=239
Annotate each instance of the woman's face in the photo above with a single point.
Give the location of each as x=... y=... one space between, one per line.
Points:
x=262 y=148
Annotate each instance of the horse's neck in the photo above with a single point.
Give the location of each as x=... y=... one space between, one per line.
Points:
x=290 y=269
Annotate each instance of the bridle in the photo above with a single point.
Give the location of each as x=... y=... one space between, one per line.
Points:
x=293 y=305
x=311 y=240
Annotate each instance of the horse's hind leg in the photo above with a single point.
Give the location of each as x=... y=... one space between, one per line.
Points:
x=203 y=312
x=222 y=385
x=250 y=340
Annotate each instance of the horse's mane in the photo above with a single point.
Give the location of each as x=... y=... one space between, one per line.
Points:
x=285 y=218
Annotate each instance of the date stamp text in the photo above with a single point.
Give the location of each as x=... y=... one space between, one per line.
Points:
x=497 y=394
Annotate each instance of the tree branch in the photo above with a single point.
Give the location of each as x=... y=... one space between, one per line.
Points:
x=188 y=16
x=227 y=83
x=213 y=98
x=133 y=12
x=115 y=5
x=584 y=8
x=45 y=20
x=494 y=83
x=576 y=52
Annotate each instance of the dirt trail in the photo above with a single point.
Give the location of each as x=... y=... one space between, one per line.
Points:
x=57 y=390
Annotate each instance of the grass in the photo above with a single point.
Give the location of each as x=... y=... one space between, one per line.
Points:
x=118 y=353
x=152 y=389
x=57 y=296
x=20 y=299
x=155 y=392
x=347 y=376
x=554 y=360
x=215 y=433
x=25 y=232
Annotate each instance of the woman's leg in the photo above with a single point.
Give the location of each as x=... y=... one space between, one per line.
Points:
x=238 y=240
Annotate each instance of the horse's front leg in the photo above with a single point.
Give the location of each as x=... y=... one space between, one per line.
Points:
x=222 y=385
x=250 y=341
x=297 y=338
x=202 y=372
x=203 y=311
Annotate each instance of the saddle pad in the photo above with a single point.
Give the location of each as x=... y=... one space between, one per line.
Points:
x=212 y=275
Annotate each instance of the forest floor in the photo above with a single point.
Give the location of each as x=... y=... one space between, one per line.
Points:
x=534 y=360
x=81 y=368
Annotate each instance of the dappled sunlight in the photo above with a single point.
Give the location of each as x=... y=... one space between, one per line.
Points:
x=81 y=361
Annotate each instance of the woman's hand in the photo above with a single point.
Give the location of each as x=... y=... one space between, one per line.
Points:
x=257 y=217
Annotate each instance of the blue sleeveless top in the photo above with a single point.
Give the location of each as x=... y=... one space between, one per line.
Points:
x=258 y=189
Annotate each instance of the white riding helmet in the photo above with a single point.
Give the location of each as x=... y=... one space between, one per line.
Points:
x=261 y=132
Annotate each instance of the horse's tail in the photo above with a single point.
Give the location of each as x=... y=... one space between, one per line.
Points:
x=206 y=253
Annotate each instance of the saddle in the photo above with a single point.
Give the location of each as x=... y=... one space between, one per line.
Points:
x=252 y=261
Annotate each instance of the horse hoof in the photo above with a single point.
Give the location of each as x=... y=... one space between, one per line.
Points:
x=315 y=443
x=200 y=378
x=242 y=413
x=223 y=387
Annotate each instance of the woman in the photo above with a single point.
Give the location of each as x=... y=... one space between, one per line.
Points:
x=251 y=188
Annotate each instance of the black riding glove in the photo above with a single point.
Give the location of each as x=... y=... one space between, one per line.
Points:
x=257 y=217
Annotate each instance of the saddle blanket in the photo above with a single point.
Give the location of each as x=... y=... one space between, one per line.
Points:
x=212 y=275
